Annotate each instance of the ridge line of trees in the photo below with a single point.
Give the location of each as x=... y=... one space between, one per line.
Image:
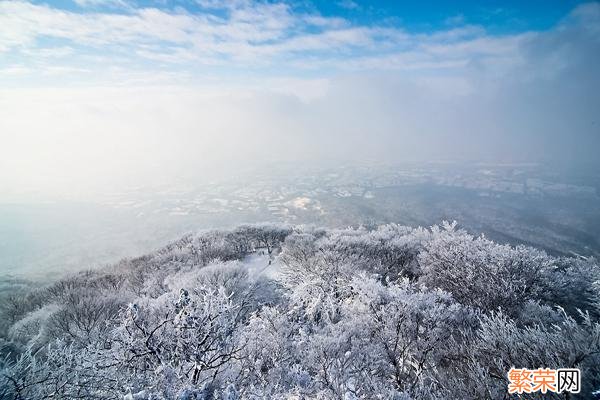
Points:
x=388 y=312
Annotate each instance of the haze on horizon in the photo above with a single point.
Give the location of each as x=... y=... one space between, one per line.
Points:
x=102 y=92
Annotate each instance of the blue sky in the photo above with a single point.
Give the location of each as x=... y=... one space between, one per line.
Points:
x=92 y=41
x=423 y=16
x=165 y=87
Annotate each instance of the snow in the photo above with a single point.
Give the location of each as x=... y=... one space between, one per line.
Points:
x=258 y=264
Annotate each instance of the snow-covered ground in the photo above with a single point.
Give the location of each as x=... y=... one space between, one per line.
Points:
x=258 y=264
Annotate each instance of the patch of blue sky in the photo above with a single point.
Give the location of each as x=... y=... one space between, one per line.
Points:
x=416 y=16
x=430 y=15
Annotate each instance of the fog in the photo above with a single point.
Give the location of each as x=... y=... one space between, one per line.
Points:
x=187 y=119
x=527 y=97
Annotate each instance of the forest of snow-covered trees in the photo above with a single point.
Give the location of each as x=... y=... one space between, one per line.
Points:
x=382 y=313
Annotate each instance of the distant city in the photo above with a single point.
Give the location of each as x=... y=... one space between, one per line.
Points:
x=292 y=193
x=517 y=204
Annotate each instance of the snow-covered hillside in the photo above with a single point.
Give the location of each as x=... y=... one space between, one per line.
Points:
x=280 y=312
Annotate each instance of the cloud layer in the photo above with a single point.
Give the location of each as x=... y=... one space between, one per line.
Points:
x=239 y=36
x=110 y=91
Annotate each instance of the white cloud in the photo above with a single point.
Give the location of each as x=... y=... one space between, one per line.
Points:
x=458 y=19
x=173 y=92
x=63 y=70
x=50 y=52
x=104 y=3
x=348 y=4
x=14 y=70
x=248 y=33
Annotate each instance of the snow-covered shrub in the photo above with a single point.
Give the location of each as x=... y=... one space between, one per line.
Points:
x=382 y=313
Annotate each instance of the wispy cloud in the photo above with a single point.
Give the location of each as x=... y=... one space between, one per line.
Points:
x=251 y=38
x=104 y=3
x=237 y=34
x=13 y=70
x=348 y=4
